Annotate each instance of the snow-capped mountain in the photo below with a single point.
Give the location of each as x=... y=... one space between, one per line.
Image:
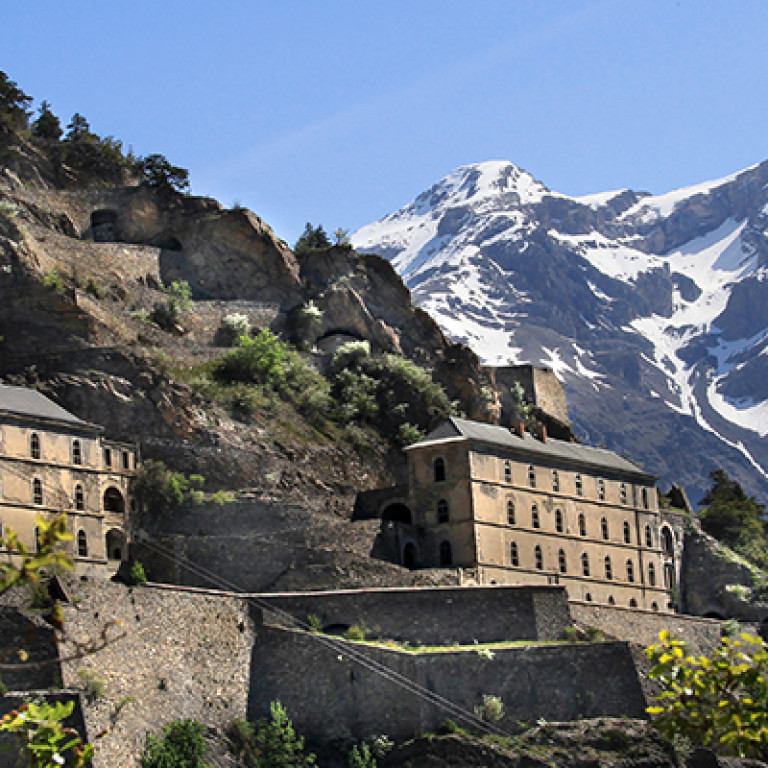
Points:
x=653 y=310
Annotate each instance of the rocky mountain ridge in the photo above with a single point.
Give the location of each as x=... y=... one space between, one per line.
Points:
x=650 y=309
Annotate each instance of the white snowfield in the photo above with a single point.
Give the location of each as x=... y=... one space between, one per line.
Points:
x=438 y=244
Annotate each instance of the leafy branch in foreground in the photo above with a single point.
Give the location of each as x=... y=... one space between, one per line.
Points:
x=720 y=701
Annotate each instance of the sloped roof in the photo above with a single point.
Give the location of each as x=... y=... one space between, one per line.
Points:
x=574 y=453
x=31 y=404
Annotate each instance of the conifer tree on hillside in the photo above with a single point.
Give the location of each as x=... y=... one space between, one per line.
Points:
x=14 y=103
x=733 y=517
x=47 y=125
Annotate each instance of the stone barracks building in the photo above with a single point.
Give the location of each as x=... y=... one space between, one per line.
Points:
x=51 y=461
x=508 y=507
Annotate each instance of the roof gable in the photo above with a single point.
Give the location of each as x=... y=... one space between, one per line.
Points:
x=31 y=404
x=504 y=438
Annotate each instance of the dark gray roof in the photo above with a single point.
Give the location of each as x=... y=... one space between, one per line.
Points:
x=574 y=453
x=30 y=403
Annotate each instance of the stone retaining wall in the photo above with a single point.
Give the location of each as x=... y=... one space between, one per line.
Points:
x=438 y=616
x=643 y=627
x=333 y=696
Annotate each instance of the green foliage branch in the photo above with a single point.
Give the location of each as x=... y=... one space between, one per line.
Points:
x=720 y=701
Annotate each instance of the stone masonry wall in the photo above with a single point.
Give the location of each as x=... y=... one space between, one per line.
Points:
x=185 y=654
x=334 y=696
x=643 y=627
x=436 y=616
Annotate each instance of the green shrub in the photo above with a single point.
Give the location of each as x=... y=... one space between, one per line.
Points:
x=448 y=726
x=181 y=746
x=138 y=576
x=361 y=756
x=719 y=701
x=270 y=743
x=92 y=288
x=357 y=632
x=54 y=281
x=93 y=683
x=491 y=710
x=314 y=622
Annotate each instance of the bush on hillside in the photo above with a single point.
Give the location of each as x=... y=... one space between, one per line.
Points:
x=181 y=745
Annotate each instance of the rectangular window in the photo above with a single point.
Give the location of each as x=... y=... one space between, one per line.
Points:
x=126 y=460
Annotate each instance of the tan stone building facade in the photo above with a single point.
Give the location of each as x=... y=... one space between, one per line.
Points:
x=51 y=461
x=508 y=507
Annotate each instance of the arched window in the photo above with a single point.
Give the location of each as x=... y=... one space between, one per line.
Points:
x=507 y=471
x=82 y=544
x=531 y=476
x=559 y=521
x=644 y=498
x=648 y=536
x=585 y=564
x=608 y=568
x=623 y=493
x=604 y=528
x=627 y=533
x=588 y=597
x=611 y=601
x=79 y=497
x=538 y=558
x=115 y=544
x=579 y=486
x=555 y=481
x=601 y=489
x=667 y=542
x=446 y=555
x=442 y=511
x=630 y=571
x=439 y=467
x=77 y=454
x=582 y=525
x=510 y=511
x=37 y=492
x=633 y=603
x=535 y=522
x=651 y=575
x=654 y=606
x=514 y=555
x=34 y=445
x=562 y=562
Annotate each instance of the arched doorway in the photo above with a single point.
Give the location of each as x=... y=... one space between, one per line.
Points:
x=115 y=544
x=397 y=513
x=410 y=555
x=113 y=500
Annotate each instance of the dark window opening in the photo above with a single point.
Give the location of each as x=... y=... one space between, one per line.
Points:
x=582 y=525
x=442 y=511
x=507 y=472
x=113 y=501
x=410 y=557
x=531 y=476
x=608 y=568
x=77 y=454
x=667 y=541
x=585 y=564
x=630 y=571
x=538 y=558
x=37 y=492
x=397 y=513
x=627 y=533
x=34 y=446
x=82 y=544
x=559 y=521
x=79 y=497
x=511 y=512
x=535 y=521
x=562 y=562
x=439 y=467
x=633 y=603
x=604 y=528
x=446 y=555
x=514 y=556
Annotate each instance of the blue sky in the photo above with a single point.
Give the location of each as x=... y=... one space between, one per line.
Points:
x=339 y=112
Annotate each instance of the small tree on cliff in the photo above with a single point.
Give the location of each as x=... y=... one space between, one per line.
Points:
x=47 y=126
x=155 y=171
x=311 y=238
x=13 y=106
x=730 y=515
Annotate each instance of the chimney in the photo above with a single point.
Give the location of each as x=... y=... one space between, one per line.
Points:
x=541 y=433
x=518 y=427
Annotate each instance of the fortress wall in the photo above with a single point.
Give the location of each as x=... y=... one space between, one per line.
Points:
x=434 y=616
x=184 y=655
x=330 y=695
x=643 y=627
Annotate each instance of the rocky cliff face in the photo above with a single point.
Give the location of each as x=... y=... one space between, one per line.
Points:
x=80 y=272
x=651 y=310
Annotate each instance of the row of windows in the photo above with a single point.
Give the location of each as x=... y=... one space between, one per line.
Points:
x=612 y=601
x=114 y=545
x=35 y=451
x=582 y=522
x=562 y=564
x=440 y=474
x=113 y=499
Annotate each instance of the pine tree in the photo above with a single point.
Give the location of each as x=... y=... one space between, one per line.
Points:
x=47 y=125
x=13 y=106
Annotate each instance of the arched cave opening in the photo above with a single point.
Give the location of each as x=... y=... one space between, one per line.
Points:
x=397 y=513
